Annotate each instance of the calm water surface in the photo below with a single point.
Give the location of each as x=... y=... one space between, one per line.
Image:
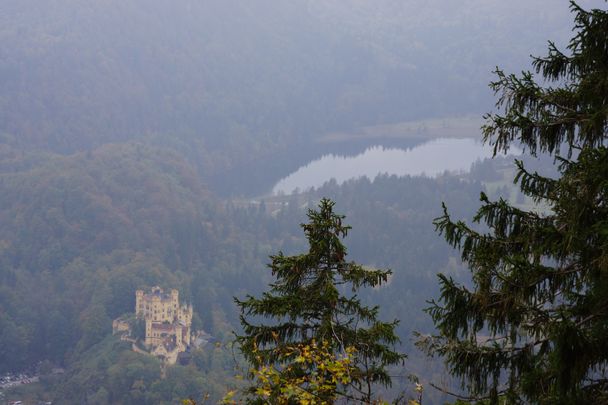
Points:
x=428 y=159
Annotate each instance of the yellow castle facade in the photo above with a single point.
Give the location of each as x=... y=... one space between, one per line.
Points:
x=168 y=324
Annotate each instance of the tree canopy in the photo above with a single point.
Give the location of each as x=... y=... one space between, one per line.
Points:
x=534 y=325
x=308 y=303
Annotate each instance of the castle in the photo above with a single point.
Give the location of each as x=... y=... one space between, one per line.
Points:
x=167 y=324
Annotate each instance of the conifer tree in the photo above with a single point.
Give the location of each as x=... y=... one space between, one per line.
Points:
x=314 y=300
x=533 y=327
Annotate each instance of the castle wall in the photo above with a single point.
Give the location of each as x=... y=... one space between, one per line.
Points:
x=157 y=306
x=166 y=321
x=119 y=325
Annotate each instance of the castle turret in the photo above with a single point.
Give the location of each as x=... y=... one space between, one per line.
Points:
x=148 y=340
x=178 y=337
x=139 y=303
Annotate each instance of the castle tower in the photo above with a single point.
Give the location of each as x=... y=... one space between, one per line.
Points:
x=148 y=339
x=178 y=337
x=185 y=318
x=187 y=334
x=156 y=308
x=139 y=303
x=174 y=298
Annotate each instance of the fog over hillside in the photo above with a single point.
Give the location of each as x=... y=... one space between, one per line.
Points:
x=77 y=74
x=140 y=141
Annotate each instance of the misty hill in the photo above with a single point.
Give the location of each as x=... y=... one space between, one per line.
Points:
x=249 y=80
x=82 y=232
x=119 y=196
x=124 y=126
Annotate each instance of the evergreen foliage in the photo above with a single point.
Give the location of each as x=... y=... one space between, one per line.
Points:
x=308 y=303
x=534 y=326
x=314 y=375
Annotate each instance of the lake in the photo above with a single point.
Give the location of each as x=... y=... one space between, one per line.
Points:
x=428 y=159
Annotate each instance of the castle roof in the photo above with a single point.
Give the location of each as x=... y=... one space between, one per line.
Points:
x=156 y=292
x=162 y=326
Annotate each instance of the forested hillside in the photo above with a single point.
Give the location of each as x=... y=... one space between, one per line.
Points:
x=241 y=89
x=82 y=232
x=139 y=142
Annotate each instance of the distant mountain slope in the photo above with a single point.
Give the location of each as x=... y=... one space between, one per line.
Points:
x=124 y=196
x=79 y=233
x=78 y=74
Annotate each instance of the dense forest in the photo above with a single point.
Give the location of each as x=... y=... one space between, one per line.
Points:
x=66 y=273
x=245 y=91
x=139 y=142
